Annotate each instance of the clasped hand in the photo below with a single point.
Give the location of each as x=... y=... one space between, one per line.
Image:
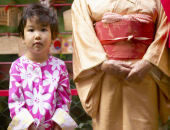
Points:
x=132 y=73
x=122 y=70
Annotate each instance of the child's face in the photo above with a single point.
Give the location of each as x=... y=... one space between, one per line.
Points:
x=37 y=37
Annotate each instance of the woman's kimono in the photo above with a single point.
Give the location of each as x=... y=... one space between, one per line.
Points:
x=115 y=104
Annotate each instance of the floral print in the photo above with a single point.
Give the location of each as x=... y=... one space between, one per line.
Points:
x=38 y=101
x=40 y=88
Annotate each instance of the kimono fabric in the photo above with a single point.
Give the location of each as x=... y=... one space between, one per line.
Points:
x=39 y=93
x=167 y=11
x=115 y=104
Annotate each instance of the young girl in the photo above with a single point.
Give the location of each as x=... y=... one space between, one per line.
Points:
x=39 y=92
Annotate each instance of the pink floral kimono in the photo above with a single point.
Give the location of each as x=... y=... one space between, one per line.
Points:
x=39 y=93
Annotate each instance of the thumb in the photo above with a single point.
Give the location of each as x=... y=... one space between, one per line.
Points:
x=126 y=70
x=126 y=66
x=130 y=75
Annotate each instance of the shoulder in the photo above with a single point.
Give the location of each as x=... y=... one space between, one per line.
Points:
x=55 y=60
x=17 y=62
x=15 y=65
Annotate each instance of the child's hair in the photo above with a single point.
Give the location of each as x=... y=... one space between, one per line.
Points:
x=44 y=15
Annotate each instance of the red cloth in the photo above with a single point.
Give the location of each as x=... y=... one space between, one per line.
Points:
x=125 y=39
x=166 y=5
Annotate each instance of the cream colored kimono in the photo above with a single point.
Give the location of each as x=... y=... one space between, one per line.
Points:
x=114 y=104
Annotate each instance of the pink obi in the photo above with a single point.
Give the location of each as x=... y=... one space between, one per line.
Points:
x=125 y=39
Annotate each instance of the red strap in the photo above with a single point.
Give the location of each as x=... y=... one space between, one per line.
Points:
x=5 y=92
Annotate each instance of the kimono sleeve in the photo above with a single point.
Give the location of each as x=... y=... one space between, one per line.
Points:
x=21 y=117
x=88 y=53
x=87 y=49
x=158 y=54
x=61 y=115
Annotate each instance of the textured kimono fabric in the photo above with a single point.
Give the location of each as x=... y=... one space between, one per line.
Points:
x=115 y=104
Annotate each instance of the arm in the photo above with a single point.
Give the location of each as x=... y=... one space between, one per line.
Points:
x=157 y=53
x=16 y=102
x=61 y=116
x=87 y=54
x=88 y=51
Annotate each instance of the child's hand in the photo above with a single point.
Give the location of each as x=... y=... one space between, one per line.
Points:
x=57 y=127
x=117 y=68
x=139 y=71
x=32 y=127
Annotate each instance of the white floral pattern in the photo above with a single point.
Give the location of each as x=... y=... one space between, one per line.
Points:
x=18 y=102
x=39 y=88
x=52 y=80
x=28 y=75
x=56 y=64
x=37 y=100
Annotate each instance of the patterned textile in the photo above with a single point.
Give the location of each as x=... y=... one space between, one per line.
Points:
x=37 y=91
x=127 y=37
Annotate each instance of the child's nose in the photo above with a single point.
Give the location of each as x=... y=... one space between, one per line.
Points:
x=37 y=36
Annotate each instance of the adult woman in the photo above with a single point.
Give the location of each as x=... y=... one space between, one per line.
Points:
x=108 y=83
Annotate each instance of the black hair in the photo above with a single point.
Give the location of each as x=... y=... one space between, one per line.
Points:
x=44 y=15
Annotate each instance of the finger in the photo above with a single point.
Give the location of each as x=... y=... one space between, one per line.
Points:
x=131 y=75
x=126 y=66
x=125 y=70
x=134 y=77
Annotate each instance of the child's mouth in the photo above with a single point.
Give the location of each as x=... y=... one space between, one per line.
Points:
x=38 y=44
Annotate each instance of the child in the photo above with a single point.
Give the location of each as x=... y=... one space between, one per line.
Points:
x=39 y=92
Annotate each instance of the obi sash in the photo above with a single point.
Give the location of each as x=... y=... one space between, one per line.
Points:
x=125 y=39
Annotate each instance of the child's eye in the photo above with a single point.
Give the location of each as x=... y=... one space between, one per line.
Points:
x=30 y=30
x=43 y=29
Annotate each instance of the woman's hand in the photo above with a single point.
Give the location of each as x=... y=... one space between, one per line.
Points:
x=32 y=127
x=110 y=17
x=57 y=127
x=139 y=71
x=117 y=68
